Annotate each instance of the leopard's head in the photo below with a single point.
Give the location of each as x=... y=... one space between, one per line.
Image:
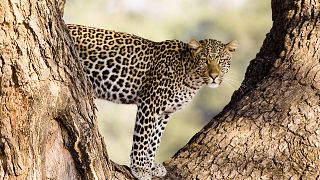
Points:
x=212 y=60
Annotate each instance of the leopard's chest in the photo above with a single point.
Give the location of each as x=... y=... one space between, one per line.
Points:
x=179 y=100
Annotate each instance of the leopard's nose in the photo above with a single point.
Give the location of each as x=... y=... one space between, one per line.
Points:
x=214 y=77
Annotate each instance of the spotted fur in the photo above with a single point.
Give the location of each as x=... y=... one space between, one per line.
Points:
x=159 y=77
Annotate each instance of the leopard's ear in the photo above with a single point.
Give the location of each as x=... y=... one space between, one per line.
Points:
x=195 y=45
x=232 y=46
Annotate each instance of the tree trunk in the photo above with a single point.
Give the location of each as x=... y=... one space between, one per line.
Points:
x=48 y=128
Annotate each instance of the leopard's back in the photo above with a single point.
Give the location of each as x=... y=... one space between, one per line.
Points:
x=116 y=63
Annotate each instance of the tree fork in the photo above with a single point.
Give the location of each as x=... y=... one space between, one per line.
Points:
x=48 y=128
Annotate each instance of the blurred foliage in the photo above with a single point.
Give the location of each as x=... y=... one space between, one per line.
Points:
x=245 y=20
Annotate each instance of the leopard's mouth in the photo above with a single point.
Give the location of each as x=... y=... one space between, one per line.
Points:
x=213 y=85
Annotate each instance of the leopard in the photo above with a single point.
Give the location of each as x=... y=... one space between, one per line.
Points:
x=159 y=77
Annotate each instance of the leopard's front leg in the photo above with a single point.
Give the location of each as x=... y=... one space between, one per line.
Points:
x=141 y=163
x=157 y=168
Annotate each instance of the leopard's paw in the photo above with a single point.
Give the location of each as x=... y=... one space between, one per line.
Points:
x=140 y=174
x=158 y=170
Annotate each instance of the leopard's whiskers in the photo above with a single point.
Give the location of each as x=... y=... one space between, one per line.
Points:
x=230 y=84
x=234 y=83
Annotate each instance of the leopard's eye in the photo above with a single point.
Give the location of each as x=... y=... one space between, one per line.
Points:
x=203 y=59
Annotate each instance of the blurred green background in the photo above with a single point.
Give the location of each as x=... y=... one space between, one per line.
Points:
x=248 y=21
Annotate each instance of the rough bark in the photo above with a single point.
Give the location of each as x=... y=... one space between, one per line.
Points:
x=48 y=128
x=271 y=127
